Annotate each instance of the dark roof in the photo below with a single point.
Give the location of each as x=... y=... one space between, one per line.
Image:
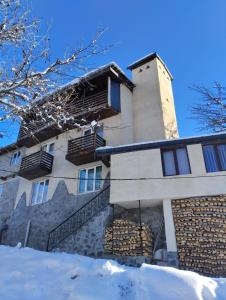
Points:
x=109 y=69
x=146 y=59
x=160 y=144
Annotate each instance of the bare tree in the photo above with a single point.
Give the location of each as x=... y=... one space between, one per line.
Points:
x=211 y=111
x=27 y=72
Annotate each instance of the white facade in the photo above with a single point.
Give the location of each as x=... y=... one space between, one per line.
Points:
x=149 y=185
x=145 y=115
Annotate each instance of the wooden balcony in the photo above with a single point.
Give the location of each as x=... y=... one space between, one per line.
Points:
x=36 y=165
x=41 y=131
x=82 y=150
x=89 y=107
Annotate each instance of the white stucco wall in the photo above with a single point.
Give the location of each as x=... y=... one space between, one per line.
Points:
x=169 y=226
x=117 y=130
x=147 y=164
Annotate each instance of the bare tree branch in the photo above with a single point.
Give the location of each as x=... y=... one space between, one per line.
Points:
x=27 y=72
x=211 y=111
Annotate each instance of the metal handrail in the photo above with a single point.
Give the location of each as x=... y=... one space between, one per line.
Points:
x=82 y=216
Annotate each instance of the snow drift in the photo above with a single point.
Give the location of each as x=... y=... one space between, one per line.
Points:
x=27 y=274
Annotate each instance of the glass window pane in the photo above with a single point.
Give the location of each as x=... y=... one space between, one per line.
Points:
x=40 y=192
x=82 y=181
x=87 y=131
x=18 y=157
x=210 y=158
x=51 y=148
x=100 y=131
x=45 y=192
x=222 y=155
x=1 y=189
x=182 y=160
x=90 y=180
x=44 y=148
x=98 y=177
x=34 y=193
x=169 y=164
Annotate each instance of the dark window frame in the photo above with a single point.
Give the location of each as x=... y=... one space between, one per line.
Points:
x=174 y=149
x=214 y=144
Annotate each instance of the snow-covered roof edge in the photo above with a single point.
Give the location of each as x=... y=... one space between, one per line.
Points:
x=87 y=76
x=160 y=143
x=147 y=58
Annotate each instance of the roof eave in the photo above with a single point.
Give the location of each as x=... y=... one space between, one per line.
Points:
x=160 y=144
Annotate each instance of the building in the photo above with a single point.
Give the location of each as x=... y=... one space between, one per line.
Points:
x=61 y=188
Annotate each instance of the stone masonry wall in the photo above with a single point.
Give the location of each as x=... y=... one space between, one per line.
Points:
x=44 y=217
x=200 y=225
x=89 y=240
x=7 y=199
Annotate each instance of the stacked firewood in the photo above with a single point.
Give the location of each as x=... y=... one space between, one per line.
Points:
x=127 y=238
x=200 y=225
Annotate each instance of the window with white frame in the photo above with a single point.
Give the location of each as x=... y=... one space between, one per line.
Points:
x=39 y=192
x=15 y=159
x=87 y=131
x=175 y=161
x=49 y=148
x=90 y=179
x=98 y=130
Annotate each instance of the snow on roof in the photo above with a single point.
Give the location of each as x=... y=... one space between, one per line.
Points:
x=87 y=75
x=146 y=59
x=150 y=56
x=93 y=72
x=158 y=143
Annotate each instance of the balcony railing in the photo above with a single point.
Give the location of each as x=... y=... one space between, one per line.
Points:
x=90 y=103
x=82 y=150
x=88 y=107
x=36 y=165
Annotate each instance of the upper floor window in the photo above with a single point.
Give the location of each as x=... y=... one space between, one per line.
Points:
x=39 y=192
x=15 y=159
x=87 y=131
x=98 y=130
x=90 y=179
x=215 y=157
x=175 y=162
x=48 y=148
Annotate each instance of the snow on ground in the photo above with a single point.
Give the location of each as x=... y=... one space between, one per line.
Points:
x=27 y=274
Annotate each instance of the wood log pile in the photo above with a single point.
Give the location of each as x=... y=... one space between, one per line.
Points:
x=200 y=225
x=126 y=238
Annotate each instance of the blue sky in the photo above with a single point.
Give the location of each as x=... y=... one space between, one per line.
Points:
x=190 y=36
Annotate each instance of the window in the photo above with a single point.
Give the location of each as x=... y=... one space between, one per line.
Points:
x=49 y=148
x=175 y=162
x=215 y=157
x=98 y=130
x=1 y=190
x=15 y=159
x=39 y=192
x=90 y=179
x=87 y=131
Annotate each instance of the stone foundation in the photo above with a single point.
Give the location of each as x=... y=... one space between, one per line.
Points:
x=200 y=225
x=89 y=240
x=44 y=217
